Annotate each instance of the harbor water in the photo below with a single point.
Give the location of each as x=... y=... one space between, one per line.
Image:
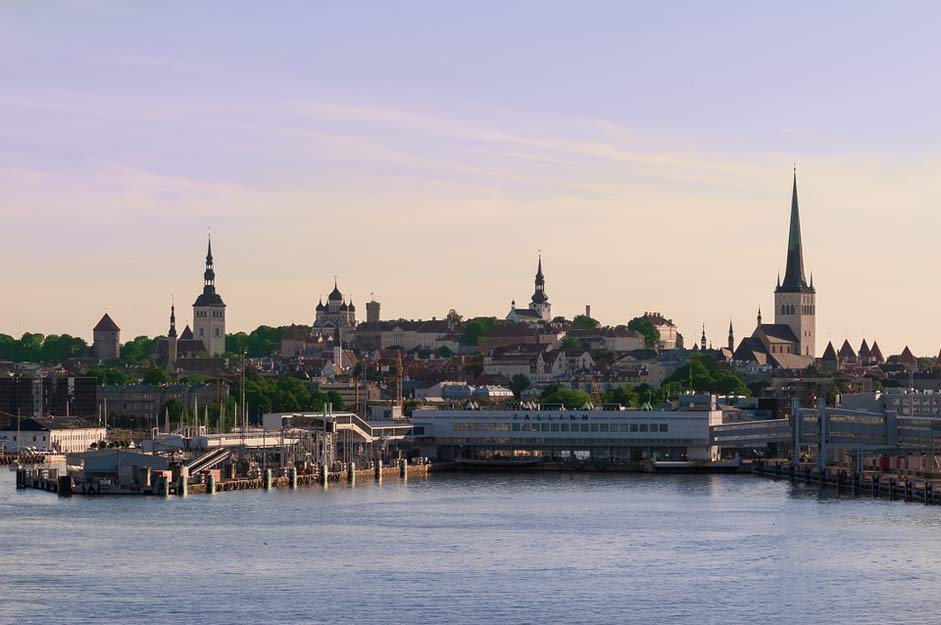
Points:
x=482 y=548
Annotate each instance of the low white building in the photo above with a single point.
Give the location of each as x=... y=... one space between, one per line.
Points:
x=55 y=434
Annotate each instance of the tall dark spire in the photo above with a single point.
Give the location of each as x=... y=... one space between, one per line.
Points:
x=209 y=277
x=209 y=295
x=539 y=295
x=172 y=332
x=794 y=279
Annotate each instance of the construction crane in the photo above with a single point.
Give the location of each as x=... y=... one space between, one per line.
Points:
x=399 y=374
x=595 y=392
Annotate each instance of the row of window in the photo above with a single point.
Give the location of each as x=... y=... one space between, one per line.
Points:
x=560 y=427
x=791 y=309
x=202 y=314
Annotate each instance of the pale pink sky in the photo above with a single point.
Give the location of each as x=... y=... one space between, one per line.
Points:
x=426 y=153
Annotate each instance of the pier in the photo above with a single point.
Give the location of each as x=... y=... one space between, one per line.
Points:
x=55 y=481
x=909 y=487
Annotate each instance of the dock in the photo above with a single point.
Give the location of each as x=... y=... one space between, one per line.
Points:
x=877 y=484
x=55 y=481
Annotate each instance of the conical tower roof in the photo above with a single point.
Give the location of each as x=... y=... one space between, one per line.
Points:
x=106 y=324
x=794 y=279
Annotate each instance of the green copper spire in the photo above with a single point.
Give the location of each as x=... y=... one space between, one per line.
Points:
x=794 y=279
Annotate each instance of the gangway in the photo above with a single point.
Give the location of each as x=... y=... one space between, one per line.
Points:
x=369 y=431
x=208 y=460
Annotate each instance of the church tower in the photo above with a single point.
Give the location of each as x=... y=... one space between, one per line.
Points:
x=540 y=301
x=795 y=302
x=209 y=312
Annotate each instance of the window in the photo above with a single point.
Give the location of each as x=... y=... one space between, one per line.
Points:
x=664 y=427
x=633 y=427
x=643 y=427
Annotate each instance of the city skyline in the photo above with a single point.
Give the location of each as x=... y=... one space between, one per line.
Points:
x=432 y=180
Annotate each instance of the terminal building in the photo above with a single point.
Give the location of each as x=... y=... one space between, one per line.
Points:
x=611 y=435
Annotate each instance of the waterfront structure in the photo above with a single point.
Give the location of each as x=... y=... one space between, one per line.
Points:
x=106 y=341
x=789 y=342
x=55 y=434
x=539 y=307
x=209 y=311
x=565 y=435
x=902 y=401
x=336 y=317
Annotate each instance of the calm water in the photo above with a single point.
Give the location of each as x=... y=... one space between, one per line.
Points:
x=473 y=549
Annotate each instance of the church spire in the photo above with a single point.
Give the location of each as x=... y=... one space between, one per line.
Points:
x=731 y=336
x=539 y=295
x=172 y=331
x=794 y=279
x=209 y=276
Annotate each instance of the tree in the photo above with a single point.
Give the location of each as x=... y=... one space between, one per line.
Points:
x=444 y=352
x=567 y=397
x=644 y=326
x=624 y=395
x=137 y=351
x=584 y=322
x=567 y=343
x=701 y=374
x=477 y=328
x=109 y=376
x=262 y=341
x=177 y=412
x=156 y=376
x=519 y=383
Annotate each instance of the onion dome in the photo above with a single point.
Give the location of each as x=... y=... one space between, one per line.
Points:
x=335 y=295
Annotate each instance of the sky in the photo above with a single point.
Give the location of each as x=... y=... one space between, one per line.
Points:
x=425 y=152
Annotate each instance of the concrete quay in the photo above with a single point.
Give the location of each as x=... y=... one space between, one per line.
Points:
x=893 y=486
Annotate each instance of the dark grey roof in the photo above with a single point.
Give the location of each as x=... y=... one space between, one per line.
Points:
x=208 y=298
x=778 y=332
x=106 y=324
